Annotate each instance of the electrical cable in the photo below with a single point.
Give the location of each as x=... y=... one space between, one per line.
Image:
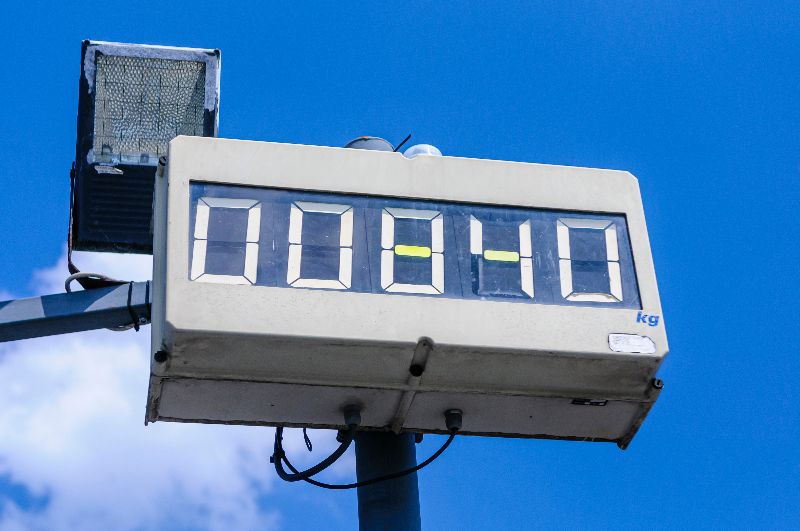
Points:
x=379 y=479
x=401 y=144
x=352 y=418
x=95 y=276
x=452 y=418
x=280 y=456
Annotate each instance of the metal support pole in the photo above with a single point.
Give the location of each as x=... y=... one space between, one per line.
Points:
x=394 y=504
x=78 y=311
x=389 y=505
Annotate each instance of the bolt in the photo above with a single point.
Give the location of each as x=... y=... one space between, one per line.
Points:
x=160 y=356
x=658 y=383
x=416 y=370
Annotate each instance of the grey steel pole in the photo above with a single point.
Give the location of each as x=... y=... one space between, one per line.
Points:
x=393 y=504
x=62 y=313
x=389 y=505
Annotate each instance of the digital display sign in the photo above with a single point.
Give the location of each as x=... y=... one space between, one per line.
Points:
x=294 y=239
x=292 y=281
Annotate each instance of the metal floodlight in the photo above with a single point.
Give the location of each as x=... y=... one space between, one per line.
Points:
x=133 y=100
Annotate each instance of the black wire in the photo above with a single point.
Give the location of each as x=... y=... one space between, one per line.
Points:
x=401 y=144
x=279 y=455
x=364 y=483
x=70 y=266
x=133 y=314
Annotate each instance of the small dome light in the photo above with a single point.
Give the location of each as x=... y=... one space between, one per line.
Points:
x=422 y=149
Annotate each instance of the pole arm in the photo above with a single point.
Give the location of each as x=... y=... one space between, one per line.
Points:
x=110 y=307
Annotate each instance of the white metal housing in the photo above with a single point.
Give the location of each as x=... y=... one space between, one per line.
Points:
x=243 y=354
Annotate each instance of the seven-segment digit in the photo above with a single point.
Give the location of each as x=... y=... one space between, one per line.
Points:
x=225 y=248
x=497 y=268
x=589 y=260
x=320 y=245
x=412 y=255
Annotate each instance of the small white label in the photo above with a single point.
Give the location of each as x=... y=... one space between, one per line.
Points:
x=111 y=170
x=631 y=343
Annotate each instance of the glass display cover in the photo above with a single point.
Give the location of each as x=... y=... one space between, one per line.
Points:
x=369 y=244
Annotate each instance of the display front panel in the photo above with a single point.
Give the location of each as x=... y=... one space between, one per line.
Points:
x=303 y=240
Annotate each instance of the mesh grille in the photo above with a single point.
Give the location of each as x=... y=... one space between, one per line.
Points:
x=143 y=103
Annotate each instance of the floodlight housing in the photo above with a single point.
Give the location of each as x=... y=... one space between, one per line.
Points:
x=133 y=100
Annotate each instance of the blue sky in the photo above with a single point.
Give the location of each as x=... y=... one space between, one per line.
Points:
x=699 y=100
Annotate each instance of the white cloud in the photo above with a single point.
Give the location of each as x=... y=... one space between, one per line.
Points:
x=71 y=429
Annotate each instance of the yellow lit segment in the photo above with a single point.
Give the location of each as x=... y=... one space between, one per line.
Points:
x=501 y=256
x=412 y=250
